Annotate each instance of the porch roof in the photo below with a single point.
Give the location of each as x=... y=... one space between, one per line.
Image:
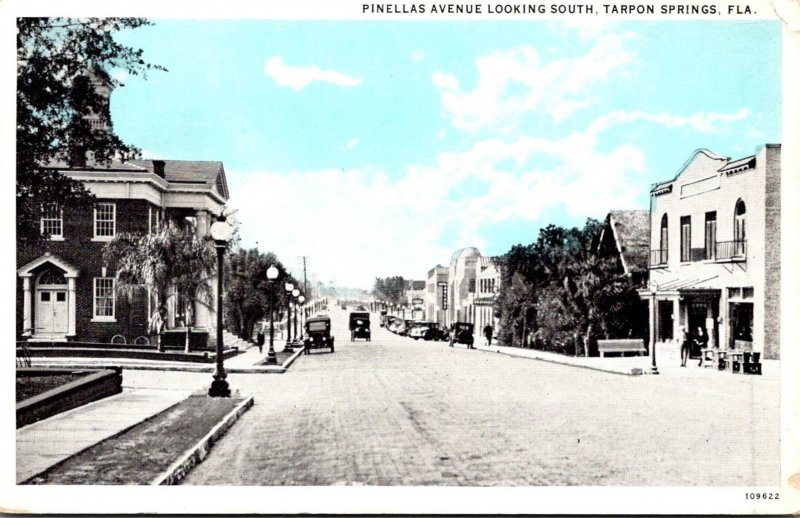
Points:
x=680 y=285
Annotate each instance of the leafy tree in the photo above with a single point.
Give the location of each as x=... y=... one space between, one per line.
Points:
x=169 y=261
x=59 y=63
x=560 y=294
x=249 y=294
x=390 y=289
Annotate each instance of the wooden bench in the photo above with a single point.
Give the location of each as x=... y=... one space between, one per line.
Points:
x=621 y=345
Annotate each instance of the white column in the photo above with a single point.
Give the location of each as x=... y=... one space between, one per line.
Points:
x=676 y=319
x=203 y=222
x=71 y=308
x=27 y=326
x=712 y=342
x=653 y=319
x=202 y=314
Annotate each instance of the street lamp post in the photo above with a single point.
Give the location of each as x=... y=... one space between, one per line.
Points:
x=302 y=299
x=272 y=274
x=288 y=287
x=221 y=233
x=295 y=295
x=653 y=290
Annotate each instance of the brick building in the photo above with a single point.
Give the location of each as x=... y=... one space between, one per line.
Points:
x=65 y=292
x=715 y=252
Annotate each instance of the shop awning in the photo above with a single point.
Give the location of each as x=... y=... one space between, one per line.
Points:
x=683 y=286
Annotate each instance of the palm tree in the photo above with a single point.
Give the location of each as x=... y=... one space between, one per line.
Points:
x=169 y=261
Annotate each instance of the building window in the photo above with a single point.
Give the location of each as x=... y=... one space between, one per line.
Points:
x=739 y=235
x=711 y=234
x=686 y=239
x=52 y=222
x=472 y=285
x=664 y=243
x=103 y=298
x=105 y=220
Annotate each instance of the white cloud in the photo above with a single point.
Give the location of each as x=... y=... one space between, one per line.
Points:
x=353 y=142
x=359 y=224
x=514 y=82
x=298 y=78
x=444 y=81
x=701 y=122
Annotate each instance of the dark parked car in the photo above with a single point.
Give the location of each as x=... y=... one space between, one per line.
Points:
x=462 y=333
x=434 y=332
x=318 y=334
x=359 y=326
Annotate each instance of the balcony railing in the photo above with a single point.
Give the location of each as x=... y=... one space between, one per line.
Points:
x=731 y=250
x=658 y=258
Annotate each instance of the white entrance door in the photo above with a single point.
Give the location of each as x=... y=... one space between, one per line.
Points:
x=51 y=312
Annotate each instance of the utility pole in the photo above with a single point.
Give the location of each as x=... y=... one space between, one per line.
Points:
x=305 y=277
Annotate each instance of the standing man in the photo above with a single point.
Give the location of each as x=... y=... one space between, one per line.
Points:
x=260 y=338
x=686 y=345
x=701 y=341
x=487 y=332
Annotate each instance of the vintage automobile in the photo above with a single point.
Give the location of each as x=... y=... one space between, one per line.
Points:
x=318 y=334
x=405 y=326
x=462 y=333
x=395 y=324
x=418 y=330
x=359 y=326
x=434 y=332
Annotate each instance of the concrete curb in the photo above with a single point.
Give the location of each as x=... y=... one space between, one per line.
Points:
x=633 y=371
x=195 y=455
x=290 y=360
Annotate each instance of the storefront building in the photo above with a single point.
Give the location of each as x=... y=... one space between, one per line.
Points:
x=462 y=278
x=714 y=265
x=488 y=285
x=436 y=295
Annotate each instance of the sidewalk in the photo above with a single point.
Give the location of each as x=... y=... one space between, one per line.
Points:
x=627 y=365
x=47 y=442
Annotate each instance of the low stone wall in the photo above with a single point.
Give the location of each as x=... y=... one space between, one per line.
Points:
x=123 y=352
x=97 y=385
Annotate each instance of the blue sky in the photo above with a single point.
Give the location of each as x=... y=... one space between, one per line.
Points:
x=378 y=148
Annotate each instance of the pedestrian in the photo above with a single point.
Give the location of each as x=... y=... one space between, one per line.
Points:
x=686 y=344
x=487 y=332
x=701 y=341
x=452 y=334
x=260 y=339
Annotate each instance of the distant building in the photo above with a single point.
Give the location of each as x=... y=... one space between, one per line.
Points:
x=488 y=285
x=462 y=278
x=436 y=295
x=415 y=299
x=715 y=252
